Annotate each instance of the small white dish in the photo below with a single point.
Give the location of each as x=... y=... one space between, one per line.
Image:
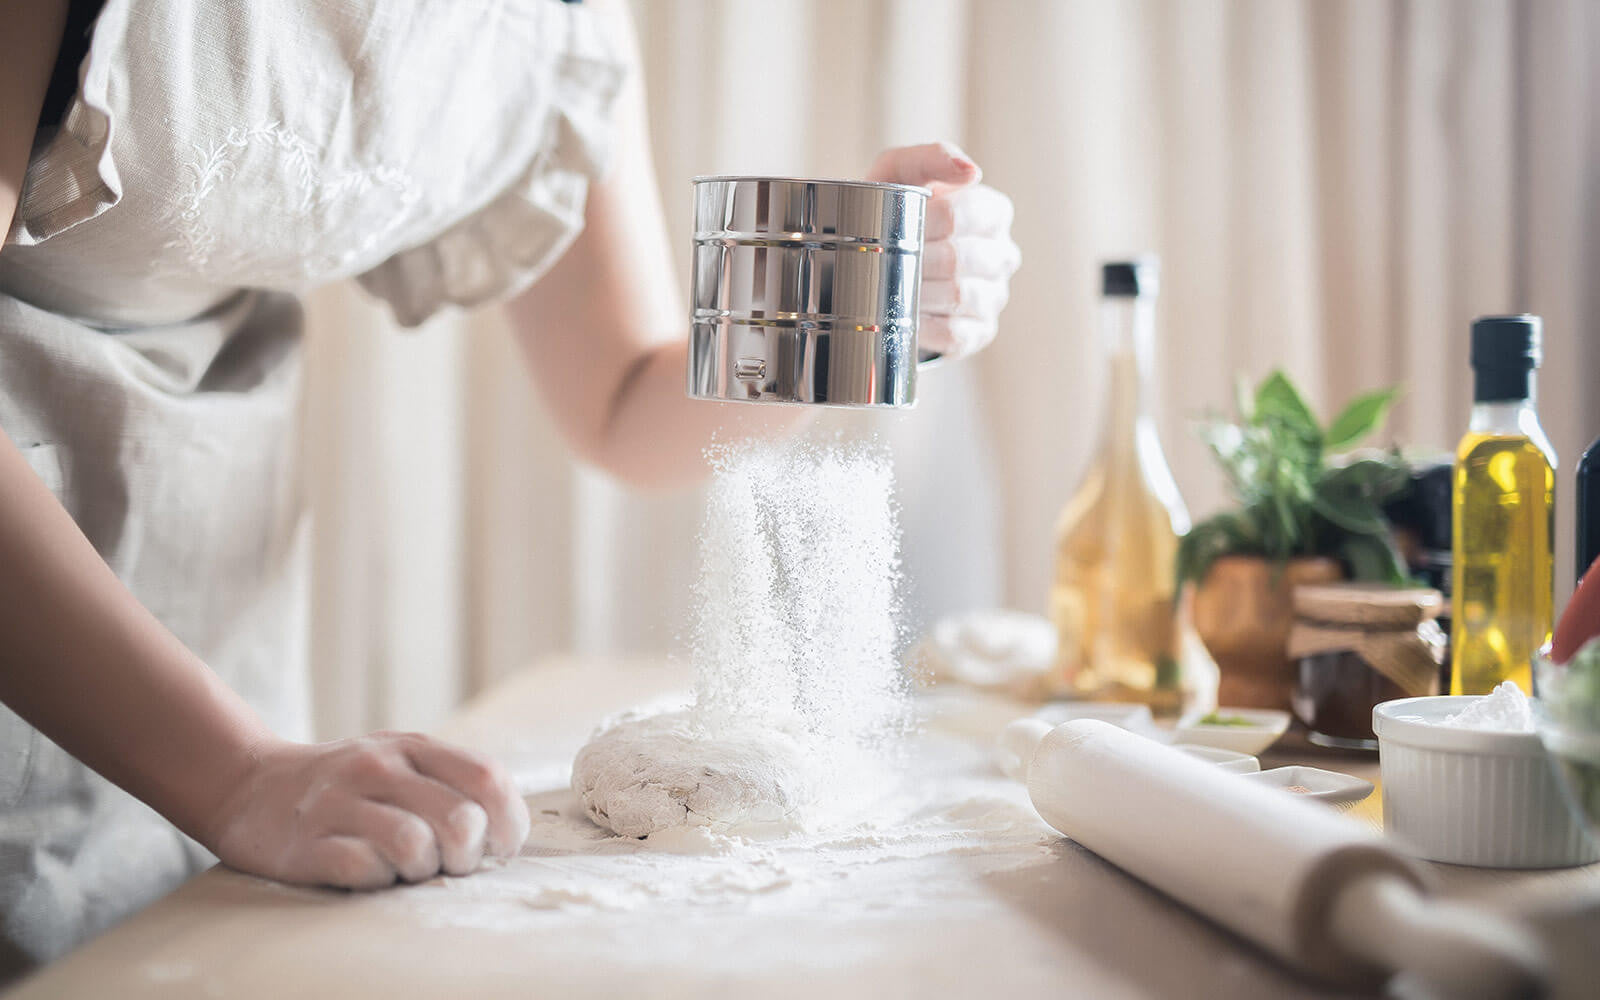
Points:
x=1125 y=715
x=1469 y=796
x=1328 y=787
x=1228 y=760
x=1262 y=728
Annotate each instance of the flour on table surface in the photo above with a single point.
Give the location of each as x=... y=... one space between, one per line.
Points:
x=948 y=808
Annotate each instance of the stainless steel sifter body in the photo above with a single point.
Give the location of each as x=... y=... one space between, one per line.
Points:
x=805 y=291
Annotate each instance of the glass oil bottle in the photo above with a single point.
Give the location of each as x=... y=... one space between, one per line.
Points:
x=1117 y=537
x=1504 y=515
x=1588 y=509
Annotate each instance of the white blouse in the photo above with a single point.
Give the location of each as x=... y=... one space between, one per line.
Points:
x=438 y=150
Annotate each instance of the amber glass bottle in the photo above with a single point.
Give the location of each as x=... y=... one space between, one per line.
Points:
x=1117 y=538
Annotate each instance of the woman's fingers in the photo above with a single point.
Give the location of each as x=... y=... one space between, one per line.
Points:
x=481 y=780
x=968 y=260
x=970 y=257
x=974 y=297
x=457 y=823
x=402 y=838
x=978 y=210
x=954 y=336
x=932 y=164
x=345 y=862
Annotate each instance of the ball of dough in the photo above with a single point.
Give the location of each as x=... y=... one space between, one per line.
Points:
x=665 y=771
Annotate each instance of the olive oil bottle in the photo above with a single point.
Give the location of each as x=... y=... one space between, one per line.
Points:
x=1504 y=515
x=1117 y=537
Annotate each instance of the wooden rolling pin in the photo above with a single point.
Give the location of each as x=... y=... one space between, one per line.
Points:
x=1320 y=890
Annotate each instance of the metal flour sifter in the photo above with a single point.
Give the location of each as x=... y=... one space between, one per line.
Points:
x=805 y=291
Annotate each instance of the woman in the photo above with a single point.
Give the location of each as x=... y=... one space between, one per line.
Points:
x=208 y=161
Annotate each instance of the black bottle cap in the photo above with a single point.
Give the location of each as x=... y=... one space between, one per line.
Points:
x=1131 y=278
x=1505 y=352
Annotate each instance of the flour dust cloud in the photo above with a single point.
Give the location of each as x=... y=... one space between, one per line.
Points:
x=799 y=696
x=796 y=605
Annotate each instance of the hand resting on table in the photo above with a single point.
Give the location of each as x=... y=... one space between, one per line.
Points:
x=360 y=813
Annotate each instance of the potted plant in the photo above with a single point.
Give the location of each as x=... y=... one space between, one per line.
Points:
x=1307 y=513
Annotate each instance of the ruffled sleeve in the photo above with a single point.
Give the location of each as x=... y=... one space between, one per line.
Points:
x=73 y=178
x=508 y=243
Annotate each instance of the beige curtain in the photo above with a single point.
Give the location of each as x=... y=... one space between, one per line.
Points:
x=1334 y=187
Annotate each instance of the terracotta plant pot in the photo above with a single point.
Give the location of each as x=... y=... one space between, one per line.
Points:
x=1243 y=611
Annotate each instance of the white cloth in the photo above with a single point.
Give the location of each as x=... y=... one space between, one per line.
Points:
x=217 y=156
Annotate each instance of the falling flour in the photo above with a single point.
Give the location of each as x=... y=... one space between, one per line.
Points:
x=799 y=696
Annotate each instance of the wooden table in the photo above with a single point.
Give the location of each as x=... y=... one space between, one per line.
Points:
x=1028 y=914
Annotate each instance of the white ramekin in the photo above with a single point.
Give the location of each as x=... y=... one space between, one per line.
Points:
x=1469 y=797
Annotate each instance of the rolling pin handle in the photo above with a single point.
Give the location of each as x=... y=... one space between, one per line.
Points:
x=1460 y=951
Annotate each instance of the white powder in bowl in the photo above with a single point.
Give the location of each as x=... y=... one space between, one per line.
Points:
x=1504 y=710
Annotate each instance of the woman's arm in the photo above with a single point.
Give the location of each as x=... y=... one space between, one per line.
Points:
x=91 y=667
x=604 y=332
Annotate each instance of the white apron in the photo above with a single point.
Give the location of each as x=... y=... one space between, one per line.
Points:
x=218 y=158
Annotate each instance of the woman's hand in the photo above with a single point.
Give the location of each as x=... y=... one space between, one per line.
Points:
x=360 y=813
x=968 y=256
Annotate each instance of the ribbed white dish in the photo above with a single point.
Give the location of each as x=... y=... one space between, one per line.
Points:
x=1468 y=797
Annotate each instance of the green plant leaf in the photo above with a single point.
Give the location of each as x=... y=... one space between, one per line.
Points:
x=1229 y=446
x=1374 y=480
x=1286 y=534
x=1352 y=496
x=1350 y=513
x=1361 y=417
x=1223 y=534
x=1290 y=502
x=1373 y=558
x=1277 y=400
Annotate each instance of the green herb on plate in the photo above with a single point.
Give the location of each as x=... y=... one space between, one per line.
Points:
x=1214 y=719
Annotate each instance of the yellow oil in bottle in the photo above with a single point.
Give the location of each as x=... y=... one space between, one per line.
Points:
x=1503 y=514
x=1117 y=537
x=1504 y=573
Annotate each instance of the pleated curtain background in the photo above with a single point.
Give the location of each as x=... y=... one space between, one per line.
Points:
x=1336 y=188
